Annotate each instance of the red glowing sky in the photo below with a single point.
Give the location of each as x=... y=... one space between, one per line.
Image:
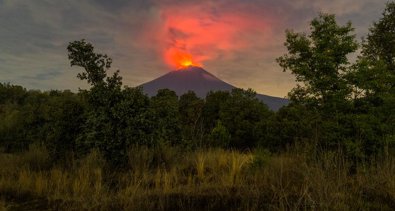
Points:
x=197 y=34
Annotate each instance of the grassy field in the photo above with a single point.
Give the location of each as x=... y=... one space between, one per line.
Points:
x=171 y=179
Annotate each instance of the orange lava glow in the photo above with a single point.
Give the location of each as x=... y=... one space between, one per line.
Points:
x=180 y=59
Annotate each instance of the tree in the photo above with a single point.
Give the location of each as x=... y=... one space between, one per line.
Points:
x=374 y=73
x=219 y=136
x=81 y=53
x=164 y=109
x=240 y=114
x=292 y=124
x=134 y=111
x=380 y=42
x=12 y=122
x=319 y=62
x=65 y=123
x=103 y=128
x=190 y=107
x=12 y=94
x=211 y=109
x=373 y=78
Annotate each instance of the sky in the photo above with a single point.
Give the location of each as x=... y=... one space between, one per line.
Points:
x=236 y=40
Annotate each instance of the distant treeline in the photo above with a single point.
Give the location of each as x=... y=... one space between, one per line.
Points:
x=337 y=105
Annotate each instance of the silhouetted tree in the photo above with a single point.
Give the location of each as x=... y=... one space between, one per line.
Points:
x=319 y=62
x=373 y=79
x=164 y=109
x=241 y=114
x=191 y=107
x=103 y=128
x=219 y=136
x=212 y=106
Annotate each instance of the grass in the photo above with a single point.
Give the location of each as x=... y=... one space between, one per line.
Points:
x=2 y=205
x=213 y=179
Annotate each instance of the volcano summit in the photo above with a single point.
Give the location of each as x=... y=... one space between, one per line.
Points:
x=201 y=82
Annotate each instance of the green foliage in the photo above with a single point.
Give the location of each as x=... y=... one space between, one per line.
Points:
x=240 y=113
x=164 y=108
x=289 y=126
x=319 y=60
x=12 y=94
x=190 y=108
x=81 y=53
x=103 y=129
x=212 y=107
x=373 y=79
x=374 y=73
x=380 y=42
x=66 y=120
x=24 y=116
x=135 y=117
x=219 y=136
x=11 y=128
x=339 y=105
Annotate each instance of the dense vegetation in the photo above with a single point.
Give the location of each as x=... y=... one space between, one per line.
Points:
x=341 y=114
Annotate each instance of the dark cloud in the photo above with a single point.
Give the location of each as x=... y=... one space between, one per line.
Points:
x=118 y=5
x=47 y=75
x=34 y=36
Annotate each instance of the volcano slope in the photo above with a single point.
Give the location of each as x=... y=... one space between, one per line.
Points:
x=201 y=82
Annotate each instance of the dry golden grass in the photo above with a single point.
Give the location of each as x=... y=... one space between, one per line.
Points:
x=3 y=205
x=170 y=179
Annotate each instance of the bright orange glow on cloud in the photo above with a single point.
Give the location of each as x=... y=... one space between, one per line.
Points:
x=204 y=32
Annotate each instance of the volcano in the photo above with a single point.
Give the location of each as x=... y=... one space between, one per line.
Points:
x=201 y=82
